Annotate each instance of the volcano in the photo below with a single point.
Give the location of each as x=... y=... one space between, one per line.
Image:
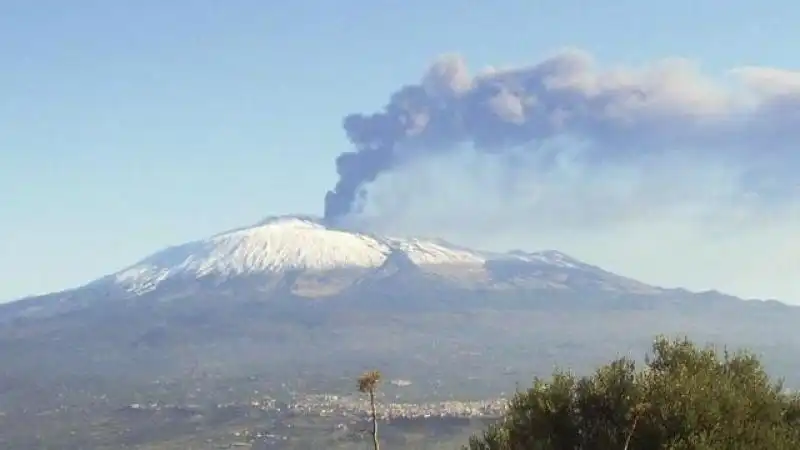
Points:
x=292 y=299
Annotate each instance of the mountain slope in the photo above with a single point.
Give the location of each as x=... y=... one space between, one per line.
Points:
x=274 y=246
x=303 y=249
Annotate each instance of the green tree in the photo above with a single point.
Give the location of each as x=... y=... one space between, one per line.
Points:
x=684 y=398
x=368 y=384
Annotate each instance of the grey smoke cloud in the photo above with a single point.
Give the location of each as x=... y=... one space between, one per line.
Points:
x=657 y=172
x=621 y=112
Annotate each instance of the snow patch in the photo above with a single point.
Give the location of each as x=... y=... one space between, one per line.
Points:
x=549 y=257
x=426 y=252
x=272 y=246
x=297 y=243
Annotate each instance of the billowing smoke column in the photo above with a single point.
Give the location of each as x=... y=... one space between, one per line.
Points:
x=621 y=111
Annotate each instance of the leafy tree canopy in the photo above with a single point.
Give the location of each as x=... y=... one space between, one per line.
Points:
x=684 y=398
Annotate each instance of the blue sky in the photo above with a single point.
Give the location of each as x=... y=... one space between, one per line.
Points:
x=127 y=126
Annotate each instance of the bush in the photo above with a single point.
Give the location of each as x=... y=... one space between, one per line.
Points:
x=685 y=398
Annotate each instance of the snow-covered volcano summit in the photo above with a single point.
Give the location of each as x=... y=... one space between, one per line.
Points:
x=299 y=244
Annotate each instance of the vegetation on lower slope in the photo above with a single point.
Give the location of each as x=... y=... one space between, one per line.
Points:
x=685 y=398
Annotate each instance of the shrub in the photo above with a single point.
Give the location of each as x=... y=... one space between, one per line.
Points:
x=684 y=398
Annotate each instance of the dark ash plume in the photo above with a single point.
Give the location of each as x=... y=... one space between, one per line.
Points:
x=622 y=113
